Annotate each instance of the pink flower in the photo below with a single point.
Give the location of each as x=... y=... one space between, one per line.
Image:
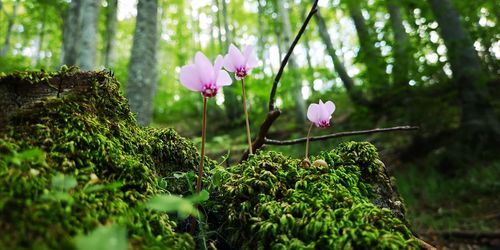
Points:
x=321 y=113
x=204 y=77
x=239 y=63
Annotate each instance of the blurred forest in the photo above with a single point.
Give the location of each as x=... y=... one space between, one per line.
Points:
x=432 y=64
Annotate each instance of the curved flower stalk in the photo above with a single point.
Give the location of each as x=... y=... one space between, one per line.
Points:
x=241 y=64
x=208 y=79
x=320 y=115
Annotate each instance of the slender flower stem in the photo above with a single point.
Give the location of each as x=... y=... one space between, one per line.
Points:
x=307 y=142
x=203 y=136
x=249 y=137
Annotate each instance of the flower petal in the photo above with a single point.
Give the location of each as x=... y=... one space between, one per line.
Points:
x=223 y=79
x=218 y=64
x=189 y=78
x=204 y=67
x=236 y=56
x=250 y=60
x=313 y=113
x=330 y=107
x=228 y=64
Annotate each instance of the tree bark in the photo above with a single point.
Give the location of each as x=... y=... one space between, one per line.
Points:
x=355 y=96
x=71 y=33
x=369 y=54
x=90 y=14
x=141 y=82
x=478 y=117
x=231 y=103
x=300 y=108
x=41 y=37
x=401 y=45
x=10 y=24
x=111 y=23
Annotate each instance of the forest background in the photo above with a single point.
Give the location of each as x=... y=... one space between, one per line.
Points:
x=432 y=64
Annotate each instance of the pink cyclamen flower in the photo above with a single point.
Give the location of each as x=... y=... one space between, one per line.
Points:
x=240 y=63
x=321 y=113
x=202 y=76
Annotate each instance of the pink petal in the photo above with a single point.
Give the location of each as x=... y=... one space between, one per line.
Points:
x=236 y=57
x=250 y=60
x=189 y=78
x=228 y=64
x=204 y=68
x=223 y=79
x=330 y=107
x=218 y=63
x=313 y=113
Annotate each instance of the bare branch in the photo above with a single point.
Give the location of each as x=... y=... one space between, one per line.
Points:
x=264 y=129
x=272 y=100
x=274 y=113
x=336 y=135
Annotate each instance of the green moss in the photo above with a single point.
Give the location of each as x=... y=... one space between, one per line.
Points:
x=85 y=129
x=273 y=203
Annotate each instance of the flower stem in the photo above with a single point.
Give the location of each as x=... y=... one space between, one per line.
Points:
x=249 y=137
x=203 y=136
x=307 y=142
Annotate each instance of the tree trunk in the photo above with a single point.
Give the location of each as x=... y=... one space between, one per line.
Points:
x=142 y=77
x=90 y=14
x=478 y=119
x=368 y=53
x=219 y=27
x=401 y=45
x=41 y=37
x=10 y=24
x=300 y=109
x=71 y=33
x=111 y=23
x=355 y=96
x=231 y=103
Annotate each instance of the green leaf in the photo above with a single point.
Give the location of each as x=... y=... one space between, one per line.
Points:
x=61 y=182
x=173 y=203
x=103 y=187
x=112 y=237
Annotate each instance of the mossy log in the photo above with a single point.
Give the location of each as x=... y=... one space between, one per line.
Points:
x=78 y=124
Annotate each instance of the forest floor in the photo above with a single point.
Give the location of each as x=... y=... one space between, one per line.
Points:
x=450 y=212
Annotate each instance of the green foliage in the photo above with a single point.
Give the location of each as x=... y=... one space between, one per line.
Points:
x=84 y=163
x=183 y=206
x=112 y=237
x=271 y=202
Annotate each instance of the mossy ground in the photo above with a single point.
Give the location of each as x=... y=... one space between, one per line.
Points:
x=88 y=133
x=271 y=202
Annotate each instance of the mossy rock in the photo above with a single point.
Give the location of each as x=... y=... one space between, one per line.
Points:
x=79 y=125
x=271 y=202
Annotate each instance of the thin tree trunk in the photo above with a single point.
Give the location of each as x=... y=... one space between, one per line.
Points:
x=354 y=94
x=41 y=37
x=10 y=24
x=233 y=107
x=71 y=33
x=300 y=108
x=142 y=77
x=478 y=117
x=402 y=56
x=111 y=23
x=90 y=14
x=370 y=55
x=219 y=27
x=306 y=43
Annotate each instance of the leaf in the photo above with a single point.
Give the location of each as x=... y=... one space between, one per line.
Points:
x=103 y=187
x=112 y=237
x=61 y=182
x=173 y=203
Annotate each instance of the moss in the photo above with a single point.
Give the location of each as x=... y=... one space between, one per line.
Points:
x=82 y=127
x=273 y=203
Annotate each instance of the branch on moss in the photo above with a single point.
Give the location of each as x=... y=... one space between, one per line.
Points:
x=274 y=113
x=341 y=134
